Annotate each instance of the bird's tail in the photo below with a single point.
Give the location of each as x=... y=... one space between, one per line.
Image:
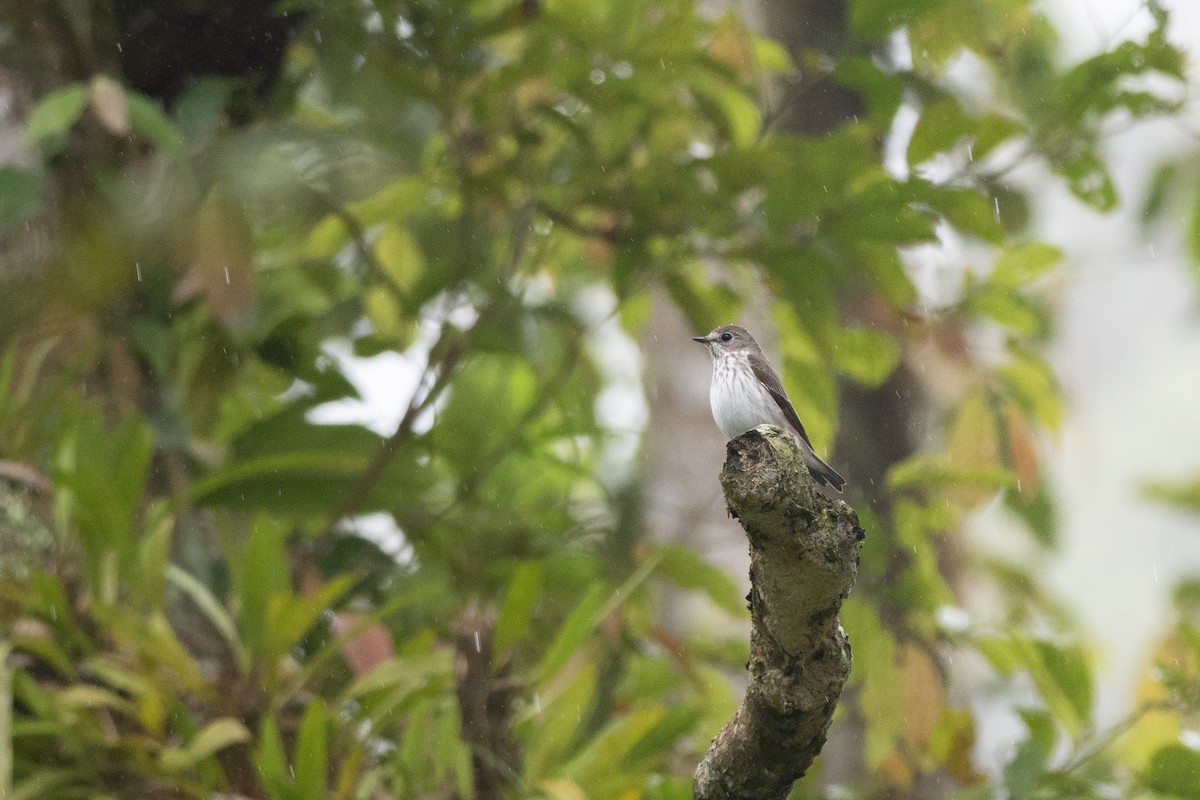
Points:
x=822 y=472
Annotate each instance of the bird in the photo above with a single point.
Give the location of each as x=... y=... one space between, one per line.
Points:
x=746 y=392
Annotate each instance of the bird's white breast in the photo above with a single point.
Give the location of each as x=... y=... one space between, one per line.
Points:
x=739 y=402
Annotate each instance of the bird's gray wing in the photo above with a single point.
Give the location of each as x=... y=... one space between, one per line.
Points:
x=767 y=377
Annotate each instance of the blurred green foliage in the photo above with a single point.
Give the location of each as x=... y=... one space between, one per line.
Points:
x=457 y=183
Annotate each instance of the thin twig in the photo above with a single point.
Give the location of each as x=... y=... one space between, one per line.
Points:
x=358 y=235
x=610 y=233
x=1118 y=730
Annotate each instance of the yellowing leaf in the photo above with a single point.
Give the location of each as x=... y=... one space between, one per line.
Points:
x=1022 y=450
x=215 y=736
x=87 y=696
x=771 y=56
x=1157 y=728
x=951 y=743
x=921 y=694
x=109 y=104
x=218 y=255
x=732 y=44
x=895 y=771
x=561 y=789
x=973 y=439
x=973 y=447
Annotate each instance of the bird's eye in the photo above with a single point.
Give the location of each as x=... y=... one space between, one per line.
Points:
x=726 y=337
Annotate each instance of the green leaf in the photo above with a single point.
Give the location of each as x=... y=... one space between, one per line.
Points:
x=888 y=276
x=1185 y=597
x=289 y=618
x=882 y=90
x=287 y=465
x=941 y=125
x=1061 y=673
x=265 y=570
x=771 y=56
x=1031 y=382
x=688 y=570
x=400 y=675
x=924 y=470
x=1037 y=510
x=154 y=553
x=551 y=729
x=1193 y=235
x=874 y=19
x=104 y=472
x=1021 y=265
x=877 y=675
x=399 y=256
x=1174 y=770
x=573 y=632
x=83 y=695
x=271 y=760
x=149 y=698
x=213 y=737
x=1162 y=184
x=992 y=130
x=47 y=783
x=865 y=355
x=512 y=621
x=606 y=756
x=210 y=607
x=392 y=202
x=1089 y=180
x=387 y=317
x=706 y=304
x=312 y=753
x=587 y=615
x=971 y=211
x=1021 y=775
x=1009 y=308
x=53 y=116
x=299 y=482
x=1181 y=494
x=147 y=118
x=199 y=109
x=1067 y=683
x=662 y=738
x=20 y=195
x=736 y=109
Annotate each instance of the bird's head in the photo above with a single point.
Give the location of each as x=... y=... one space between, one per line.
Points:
x=728 y=339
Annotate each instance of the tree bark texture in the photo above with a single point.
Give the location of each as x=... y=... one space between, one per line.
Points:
x=803 y=560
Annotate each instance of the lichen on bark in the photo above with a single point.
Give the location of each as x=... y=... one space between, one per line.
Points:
x=803 y=559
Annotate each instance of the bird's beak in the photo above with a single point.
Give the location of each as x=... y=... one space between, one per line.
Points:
x=700 y=339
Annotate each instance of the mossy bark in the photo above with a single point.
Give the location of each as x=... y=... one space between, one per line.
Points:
x=803 y=560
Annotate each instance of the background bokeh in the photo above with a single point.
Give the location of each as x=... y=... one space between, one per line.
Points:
x=353 y=444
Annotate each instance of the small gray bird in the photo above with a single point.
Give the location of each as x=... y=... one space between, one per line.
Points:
x=746 y=393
